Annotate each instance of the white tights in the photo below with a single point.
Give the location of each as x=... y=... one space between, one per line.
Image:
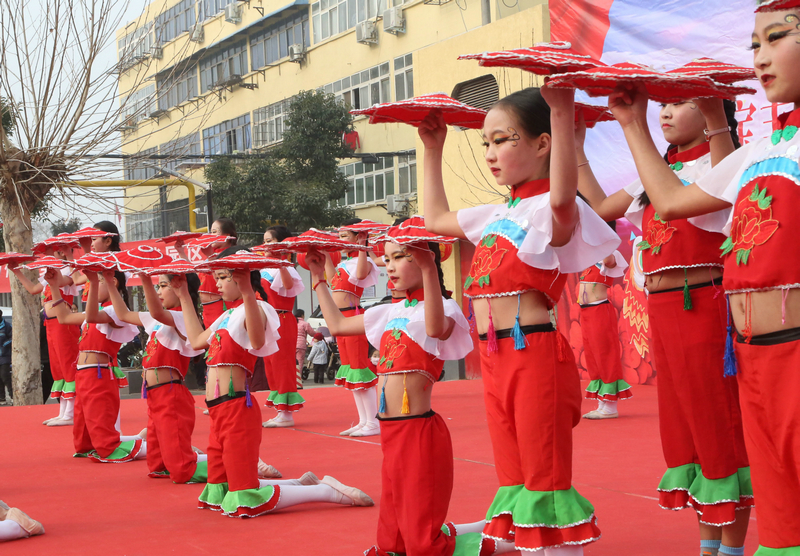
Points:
x=293 y=493
x=143 y=451
x=367 y=406
x=10 y=530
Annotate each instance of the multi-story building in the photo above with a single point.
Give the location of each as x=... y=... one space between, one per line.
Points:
x=216 y=77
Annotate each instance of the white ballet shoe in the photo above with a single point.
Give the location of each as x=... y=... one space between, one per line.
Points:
x=308 y=479
x=143 y=434
x=370 y=429
x=197 y=450
x=266 y=471
x=30 y=526
x=60 y=423
x=356 y=496
x=276 y=423
x=47 y=421
x=351 y=430
x=597 y=415
x=3 y=510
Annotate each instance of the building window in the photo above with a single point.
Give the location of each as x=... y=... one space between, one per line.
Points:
x=363 y=89
x=139 y=167
x=143 y=225
x=135 y=46
x=225 y=64
x=210 y=8
x=269 y=123
x=176 y=20
x=176 y=87
x=403 y=78
x=481 y=92
x=178 y=149
x=272 y=44
x=368 y=183
x=331 y=17
x=407 y=174
x=228 y=137
x=138 y=106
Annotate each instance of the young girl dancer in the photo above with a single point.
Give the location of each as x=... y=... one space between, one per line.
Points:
x=522 y=251
x=415 y=338
x=599 y=328
x=213 y=305
x=234 y=341
x=760 y=182
x=170 y=405
x=96 y=389
x=348 y=280
x=62 y=341
x=282 y=285
x=701 y=424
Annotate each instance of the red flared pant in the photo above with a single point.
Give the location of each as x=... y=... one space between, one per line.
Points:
x=601 y=342
x=233 y=443
x=170 y=422
x=96 y=409
x=62 y=346
x=769 y=382
x=280 y=367
x=417 y=481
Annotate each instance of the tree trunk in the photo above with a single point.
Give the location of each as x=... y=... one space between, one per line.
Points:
x=25 y=361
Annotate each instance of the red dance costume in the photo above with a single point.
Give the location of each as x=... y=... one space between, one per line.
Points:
x=170 y=405
x=356 y=371
x=699 y=416
x=417 y=470
x=600 y=331
x=281 y=366
x=97 y=394
x=761 y=181
x=235 y=437
x=62 y=344
x=531 y=384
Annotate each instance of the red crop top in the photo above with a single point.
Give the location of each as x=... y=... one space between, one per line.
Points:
x=592 y=275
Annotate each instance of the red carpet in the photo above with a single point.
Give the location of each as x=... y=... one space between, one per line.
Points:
x=96 y=510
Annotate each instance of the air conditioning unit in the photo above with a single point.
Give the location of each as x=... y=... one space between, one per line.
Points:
x=156 y=52
x=393 y=20
x=366 y=33
x=233 y=13
x=197 y=34
x=396 y=205
x=297 y=53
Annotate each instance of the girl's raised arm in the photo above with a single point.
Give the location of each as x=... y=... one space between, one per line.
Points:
x=255 y=319
x=338 y=324
x=30 y=287
x=437 y=325
x=194 y=330
x=667 y=193
x=58 y=307
x=122 y=311
x=93 y=313
x=154 y=306
x=439 y=218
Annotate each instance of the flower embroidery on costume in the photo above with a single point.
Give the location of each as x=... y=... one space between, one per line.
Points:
x=785 y=134
x=487 y=259
x=150 y=349
x=752 y=225
x=47 y=295
x=394 y=348
x=213 y=348
x=658 y=233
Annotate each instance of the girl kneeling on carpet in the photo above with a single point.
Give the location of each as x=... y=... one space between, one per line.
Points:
x=523 y=250
x=415 y=337
x=170 y=405
x=96 y=386
x=234 y=341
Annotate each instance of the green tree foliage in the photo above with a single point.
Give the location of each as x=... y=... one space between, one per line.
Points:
x=65 y=226
x=298 y=184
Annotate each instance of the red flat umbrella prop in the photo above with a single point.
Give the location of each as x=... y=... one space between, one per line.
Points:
x=593 y=114
x=413 y=111
x=180 y=236
x=720 y=72
x=175 y=266
x=541 y=59
x=661 y=87
x=242 y=260
x=777 y=5
x=47 y=262
x=56 y=243
x=87 y=233
x=413 y=231
x=96 y=262
x=141 y=258
x=204 y=240
x=366 y=226
x=312 y=239
x=15 y=258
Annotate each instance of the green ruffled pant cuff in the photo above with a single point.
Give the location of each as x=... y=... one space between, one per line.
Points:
x=788 y=551
x=555 y=508
x=212 y=496
x=68 y=390
x=468 y=544
x=611 y=392
x=355 y=379
x=125 y=452
x=200 y=474
x=705 y=491
x=251 y=502
x=57 y=388
x=290 y=401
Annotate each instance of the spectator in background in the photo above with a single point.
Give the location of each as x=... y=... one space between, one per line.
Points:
x=303 y=330
x=5 y=360
x=318 y=356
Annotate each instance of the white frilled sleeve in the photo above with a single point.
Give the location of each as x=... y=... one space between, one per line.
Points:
x=119 y=331
x=276 y=282
x=619 y=270
x=635 y=212
x=592 y=239
x=457 y=346
x=474 y=220
x=351 y=266
x=235 y=326
x=169 y=336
